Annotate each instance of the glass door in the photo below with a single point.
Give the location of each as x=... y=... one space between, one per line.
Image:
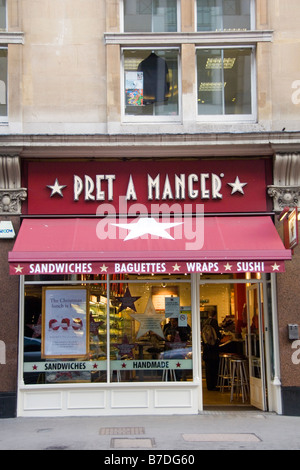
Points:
x=255 y=347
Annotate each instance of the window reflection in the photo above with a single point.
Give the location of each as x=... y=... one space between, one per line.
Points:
x=224 y=81
x=142 y=327
x=151 y=82
x=150 y=15
x=223 y=15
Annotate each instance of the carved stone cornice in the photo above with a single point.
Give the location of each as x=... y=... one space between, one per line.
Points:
x=284 y=196
x=285 y=190
x=11 y=201
x=11 y=193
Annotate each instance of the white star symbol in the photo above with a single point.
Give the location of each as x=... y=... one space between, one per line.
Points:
x=275 y=267
x=237 y=186
x=19 y=268
x=104 y=268
x=176 y=267
x=227 y=267
x=56 y=188
x=147 y=226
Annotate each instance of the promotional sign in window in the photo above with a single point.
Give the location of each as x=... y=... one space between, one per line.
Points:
x=65 y=326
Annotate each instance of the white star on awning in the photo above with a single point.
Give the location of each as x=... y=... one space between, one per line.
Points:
x=148 y=226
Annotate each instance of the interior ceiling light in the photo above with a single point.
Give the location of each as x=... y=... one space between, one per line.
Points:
x=216 y=62
x=211 y=86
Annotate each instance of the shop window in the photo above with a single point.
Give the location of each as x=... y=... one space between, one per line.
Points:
x=3 y=83
x=225 y=15
x=151 y=83
x=3 y=15
x=144 y=328
x=150 y=16
x=225 y=81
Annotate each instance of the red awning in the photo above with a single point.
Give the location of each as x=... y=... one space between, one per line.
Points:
x=89 y=245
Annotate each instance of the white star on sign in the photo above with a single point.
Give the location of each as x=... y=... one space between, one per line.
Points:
x=227 y=267
x=275 y=267
x=176 y=267
x=56 y=188
x=237 y=186
x=148 y=226
x=19 y=269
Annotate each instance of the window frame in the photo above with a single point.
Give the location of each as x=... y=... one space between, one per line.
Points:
x=223 y=118
x=150 y=119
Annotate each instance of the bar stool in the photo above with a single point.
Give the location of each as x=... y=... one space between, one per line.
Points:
x=239 y=379
x=224 y=375
x=166 y=373
x=118 y=374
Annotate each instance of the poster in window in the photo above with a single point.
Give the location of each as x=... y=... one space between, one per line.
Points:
x=293 y=228
x=65 y=325
x=134 y=88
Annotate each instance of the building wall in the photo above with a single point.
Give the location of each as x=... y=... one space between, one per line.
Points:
x=9 y=320
x=65 y=79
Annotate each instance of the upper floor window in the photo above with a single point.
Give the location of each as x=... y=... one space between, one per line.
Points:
x=155 y=16
x=151 y=83
x=225 y=15
x=226 y=83
x=3 y=83
x=2 y=15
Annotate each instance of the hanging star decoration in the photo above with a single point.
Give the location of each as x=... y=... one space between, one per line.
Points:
x=127 y=301
x=95 y=325
x=37 y=329
x=125 y=348
x=149 y=321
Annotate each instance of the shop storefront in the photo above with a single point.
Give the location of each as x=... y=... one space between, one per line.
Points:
x=121 y=262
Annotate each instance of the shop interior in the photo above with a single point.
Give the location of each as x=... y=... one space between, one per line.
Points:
x=141 y=334
x=235 y=308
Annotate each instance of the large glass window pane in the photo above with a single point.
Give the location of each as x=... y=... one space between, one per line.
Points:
x=151 y=82
x=2 y=14
x=65 y=334
x=72 y=326
x=221 y=15
x=224 y=81
x=3 y=82
x=151 y=334
x=150 y=15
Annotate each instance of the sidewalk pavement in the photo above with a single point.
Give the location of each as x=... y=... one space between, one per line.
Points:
x=125 y=435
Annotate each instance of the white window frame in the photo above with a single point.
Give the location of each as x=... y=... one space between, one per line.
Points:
x=122 y=17
x=150 y=119
x=223 y=118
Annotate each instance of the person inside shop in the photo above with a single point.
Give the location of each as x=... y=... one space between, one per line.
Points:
x=211 y=337
x=173 y=332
